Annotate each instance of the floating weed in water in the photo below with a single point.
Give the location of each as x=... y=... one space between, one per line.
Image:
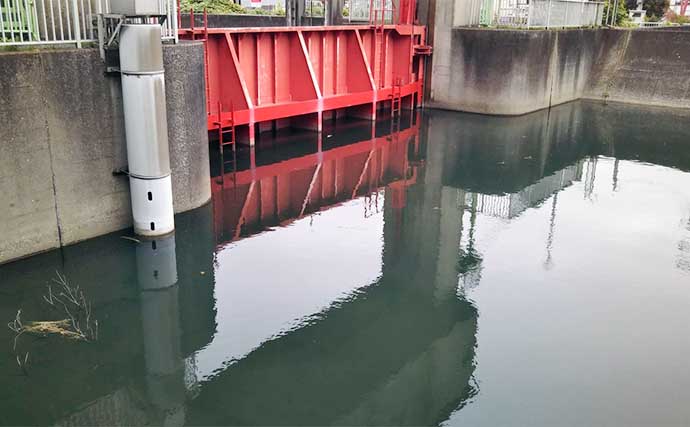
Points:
x=72 y=302
x=68 y=300
x=130 y=238
x=57 y=327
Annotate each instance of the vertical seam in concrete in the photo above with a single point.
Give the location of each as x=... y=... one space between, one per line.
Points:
x=616 y=66
x=50 y=153
x=552 y=67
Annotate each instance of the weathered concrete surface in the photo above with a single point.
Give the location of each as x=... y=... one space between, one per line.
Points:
x=185 y=90
x=27 y=208
x=64 y=136
x=513 y=72
x=507 y=72
x=642 y=67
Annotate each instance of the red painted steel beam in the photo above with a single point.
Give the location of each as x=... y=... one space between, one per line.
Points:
x=263 y=74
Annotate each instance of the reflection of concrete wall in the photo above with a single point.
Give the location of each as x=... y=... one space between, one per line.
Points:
x=373 y=359
x=512 y=205
x=195 y=245
x=63 y=137
x=117 y=408
x=634 y=133
x=499 y=155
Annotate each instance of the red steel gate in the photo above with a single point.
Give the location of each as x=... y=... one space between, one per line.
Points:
x=261 y=79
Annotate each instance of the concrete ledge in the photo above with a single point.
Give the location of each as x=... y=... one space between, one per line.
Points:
x=63 y=137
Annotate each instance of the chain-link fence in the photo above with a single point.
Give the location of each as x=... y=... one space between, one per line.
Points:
x=564 y=13
x=528 y=13
x=360 y=10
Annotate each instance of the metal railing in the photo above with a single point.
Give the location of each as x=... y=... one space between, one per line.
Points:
x=46 y=22
x=565 y=13
x=362 y=10
x=529 y=13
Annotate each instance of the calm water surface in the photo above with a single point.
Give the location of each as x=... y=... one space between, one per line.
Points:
x=459 y=270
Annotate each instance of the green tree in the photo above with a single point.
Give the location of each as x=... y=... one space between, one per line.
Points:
x=655 y=8
x=211 y=6
x=621 y=12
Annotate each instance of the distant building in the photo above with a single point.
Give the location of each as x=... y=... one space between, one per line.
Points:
x=675 y=7
x=264 y=4
x=637 y=16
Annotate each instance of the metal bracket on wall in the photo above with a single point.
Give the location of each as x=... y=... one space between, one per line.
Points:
x=108 y=28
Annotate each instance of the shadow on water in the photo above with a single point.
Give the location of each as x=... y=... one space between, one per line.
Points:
x=399 y=349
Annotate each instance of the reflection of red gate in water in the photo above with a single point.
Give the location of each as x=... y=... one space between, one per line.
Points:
x=269 y=76
x=283 y=192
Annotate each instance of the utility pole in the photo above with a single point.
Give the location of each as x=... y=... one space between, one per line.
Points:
x=294 y=11
x=333 y=12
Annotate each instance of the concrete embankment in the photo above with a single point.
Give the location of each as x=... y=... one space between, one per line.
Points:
x=512 y=72
x=642 y=67
x=62 y=130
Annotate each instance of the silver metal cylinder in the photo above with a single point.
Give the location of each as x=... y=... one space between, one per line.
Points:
x=146 y=128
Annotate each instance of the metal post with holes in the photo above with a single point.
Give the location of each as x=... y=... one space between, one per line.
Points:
x=146 y=128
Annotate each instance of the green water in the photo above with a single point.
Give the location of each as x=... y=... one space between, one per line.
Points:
x=467 y=270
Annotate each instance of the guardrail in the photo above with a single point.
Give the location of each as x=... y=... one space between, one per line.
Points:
x=46 y=22
x=529 y=14
x=361 y=10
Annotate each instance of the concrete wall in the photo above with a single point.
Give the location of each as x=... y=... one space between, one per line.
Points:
x=512 y=72
x=508 y=72
x=230 y=21
x=642 y=67
x=62 y=136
